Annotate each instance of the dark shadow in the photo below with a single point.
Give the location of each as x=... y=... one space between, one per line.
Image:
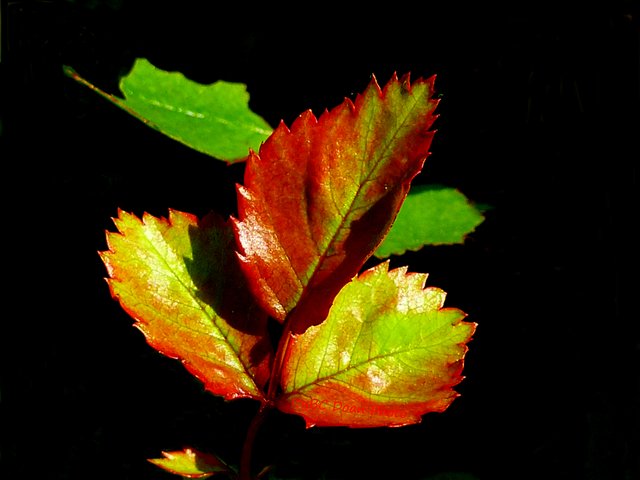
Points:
x=216 y=273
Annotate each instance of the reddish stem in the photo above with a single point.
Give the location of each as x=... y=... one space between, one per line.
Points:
x=247 y=448
x=258 y=420
x=278 y=360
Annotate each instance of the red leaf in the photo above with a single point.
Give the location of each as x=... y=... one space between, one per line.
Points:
x=179 y=279
x=319 y=198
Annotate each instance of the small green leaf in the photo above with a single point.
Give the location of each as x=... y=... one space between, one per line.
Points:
x=190 y=463
x=430 y=215
x=214 y=119
x=387 y=354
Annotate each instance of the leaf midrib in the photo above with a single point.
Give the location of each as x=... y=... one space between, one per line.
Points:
x=192 y=114
x=343 y=224
x=337 y=373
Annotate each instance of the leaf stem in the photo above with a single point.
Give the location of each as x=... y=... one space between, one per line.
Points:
x=247 y=448
x=71 y=73
x=272 y=392
x=278 y=360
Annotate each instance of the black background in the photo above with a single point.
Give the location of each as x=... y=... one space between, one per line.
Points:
x=539 y=119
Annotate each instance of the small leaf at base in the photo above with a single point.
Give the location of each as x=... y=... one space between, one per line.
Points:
x=191 y=463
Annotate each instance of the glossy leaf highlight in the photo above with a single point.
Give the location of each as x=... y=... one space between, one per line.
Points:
x=179 y=279
x=214 y=119
x=388 y=353
x=430 y=215
x=320 y=196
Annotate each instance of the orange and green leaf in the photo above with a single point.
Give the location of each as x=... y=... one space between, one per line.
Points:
x=319 y=197
x=388 y=353
x=179 y=279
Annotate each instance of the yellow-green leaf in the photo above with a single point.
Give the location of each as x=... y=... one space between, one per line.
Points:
x=388 y=353
x=178 y=278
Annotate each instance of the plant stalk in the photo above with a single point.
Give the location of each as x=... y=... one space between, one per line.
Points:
x=276 y=368
x=272 y=392
x=247 y=448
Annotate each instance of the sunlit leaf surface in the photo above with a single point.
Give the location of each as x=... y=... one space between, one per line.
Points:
x=388 y=353
x=179 y=279
x=319 y=197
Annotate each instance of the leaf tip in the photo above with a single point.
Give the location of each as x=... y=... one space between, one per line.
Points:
x=69 y=71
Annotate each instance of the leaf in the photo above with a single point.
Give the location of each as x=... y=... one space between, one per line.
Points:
x=319 y=197
x=191 y=463
x=179 y=279
x=430 y=215
x=214 y=119
x=387 y=354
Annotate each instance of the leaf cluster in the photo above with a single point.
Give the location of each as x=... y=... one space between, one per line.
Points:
x=320 y=198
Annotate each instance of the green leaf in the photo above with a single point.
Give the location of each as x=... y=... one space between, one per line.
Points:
x=179 y=279
x=387 y=354
x=191 y=463
x=214 y=119
x=430 y=215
